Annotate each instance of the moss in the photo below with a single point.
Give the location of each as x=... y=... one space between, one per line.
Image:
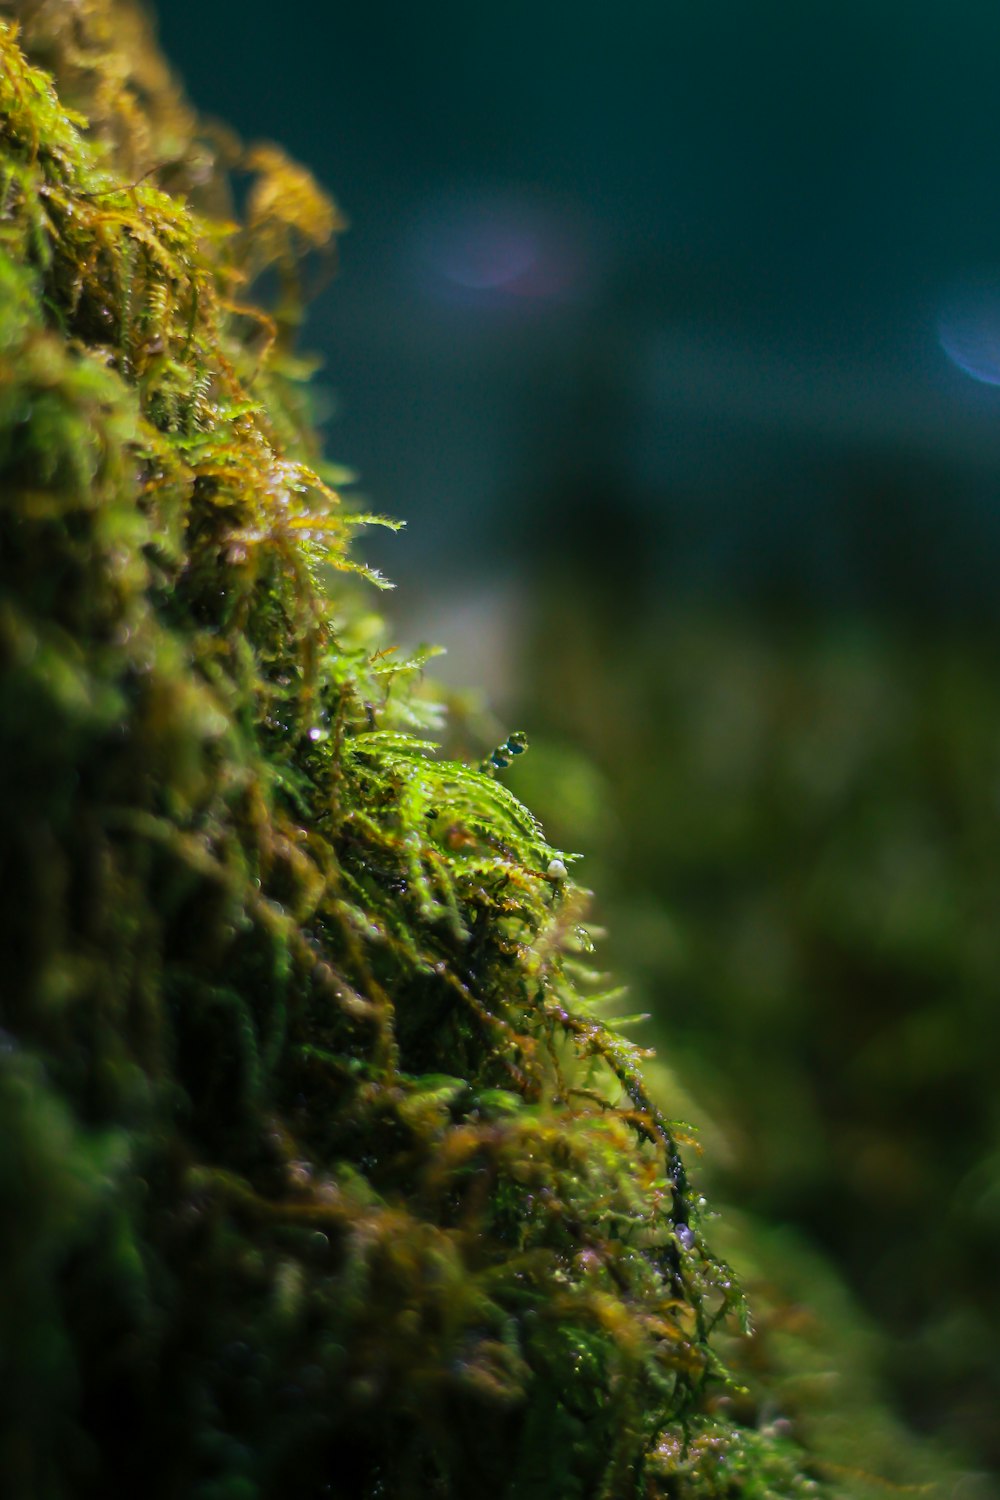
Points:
x=323 y=1174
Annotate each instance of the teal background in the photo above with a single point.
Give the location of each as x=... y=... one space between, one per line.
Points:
x=765 y=207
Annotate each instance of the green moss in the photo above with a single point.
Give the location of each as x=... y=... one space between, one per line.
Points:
x=322 y=1173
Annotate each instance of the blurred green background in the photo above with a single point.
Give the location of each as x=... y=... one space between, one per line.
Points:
x=674 y=332
x=794 y=839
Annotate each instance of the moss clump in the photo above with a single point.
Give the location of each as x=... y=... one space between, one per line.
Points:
x=321 y=1175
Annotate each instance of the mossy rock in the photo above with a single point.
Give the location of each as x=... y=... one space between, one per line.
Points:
x=322 y=1174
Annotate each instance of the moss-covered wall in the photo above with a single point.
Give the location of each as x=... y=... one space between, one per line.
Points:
x=322 y=1174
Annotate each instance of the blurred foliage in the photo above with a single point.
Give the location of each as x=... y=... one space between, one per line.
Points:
x=322 y=1173
x=795 y=825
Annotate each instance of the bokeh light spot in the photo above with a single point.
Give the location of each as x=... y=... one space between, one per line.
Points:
x=498 y=249
x=969 y=330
